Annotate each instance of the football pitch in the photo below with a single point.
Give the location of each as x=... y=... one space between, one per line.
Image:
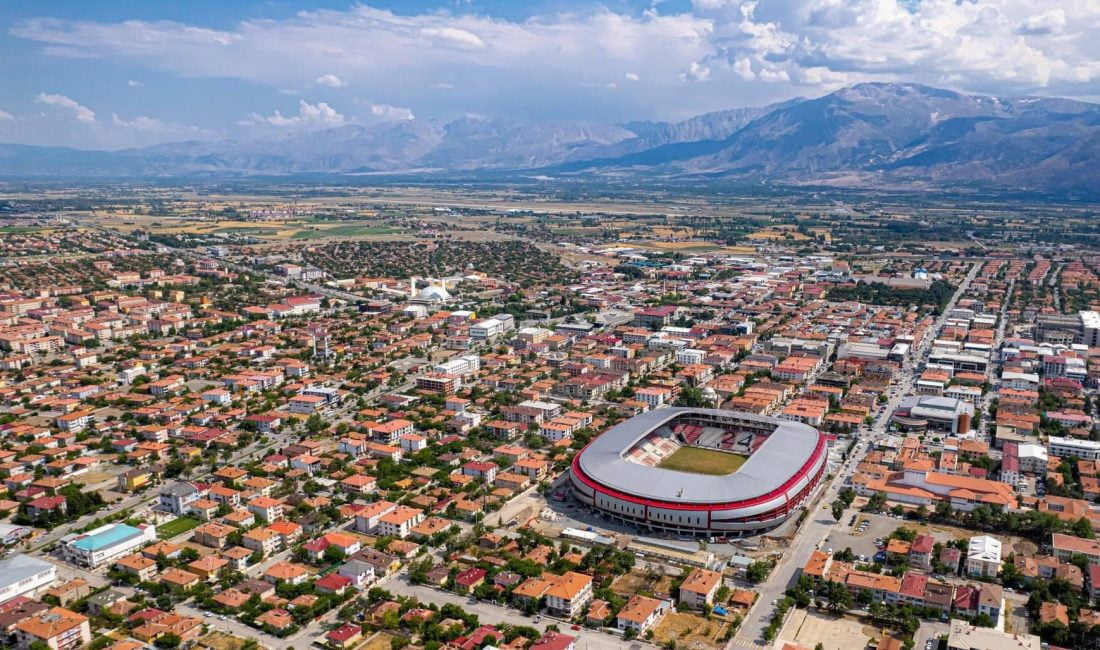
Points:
x=703 y=461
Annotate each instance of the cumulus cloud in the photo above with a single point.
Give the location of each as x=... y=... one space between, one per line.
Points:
x=5 y=116
x=330 y=80
x=695 y=72
x=558 y=64
x=79 y=112
x=309 y=115
x=1051 y=22
x=1006 y=46
x=133 y=83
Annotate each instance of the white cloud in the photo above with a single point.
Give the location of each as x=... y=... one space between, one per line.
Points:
x=79 y=112
x=1005 y=46
x=743 y=68
x=695 y=72
x=330 y=80
x=309 y=115
x=134 y=83
x=1051 y=22
x=5 y=116
x=387 y=112
x=140 y=123
x=750 y=51
x=453 y=37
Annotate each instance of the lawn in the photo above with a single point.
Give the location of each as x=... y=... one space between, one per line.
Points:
x=703 y=461
x=177 y=527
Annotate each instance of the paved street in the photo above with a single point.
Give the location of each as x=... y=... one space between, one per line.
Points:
x=493 y=613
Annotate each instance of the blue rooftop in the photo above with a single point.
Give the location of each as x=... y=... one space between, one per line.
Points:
x=106 y=536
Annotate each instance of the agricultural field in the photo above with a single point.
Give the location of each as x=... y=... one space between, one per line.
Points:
x=697 y=460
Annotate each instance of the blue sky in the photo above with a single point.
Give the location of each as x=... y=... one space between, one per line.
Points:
x=113 y=74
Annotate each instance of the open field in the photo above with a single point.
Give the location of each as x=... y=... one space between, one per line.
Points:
x=177 y=527
x=380 y=641
x=690 y=631
x=91 y=478
x=273 y=229
x=639 y=580
x=221 y=641
x=834 y=633
x=703 y=461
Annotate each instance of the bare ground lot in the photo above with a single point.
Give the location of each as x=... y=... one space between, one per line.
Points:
x=807 y=629
x=690 y=631
x=636 y=581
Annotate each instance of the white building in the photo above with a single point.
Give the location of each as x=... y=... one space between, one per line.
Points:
x=983 y=556
x=463 y=366
x=492 y=327
x=22 y=574
x=105 y=544
x=690 y=356
x=1072 y=447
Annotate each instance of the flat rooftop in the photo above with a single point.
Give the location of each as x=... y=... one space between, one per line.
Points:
x=104 y=537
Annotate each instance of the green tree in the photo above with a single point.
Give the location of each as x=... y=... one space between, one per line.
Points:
x=838 y=510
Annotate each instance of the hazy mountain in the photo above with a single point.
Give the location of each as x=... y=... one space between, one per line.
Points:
x=897 y=133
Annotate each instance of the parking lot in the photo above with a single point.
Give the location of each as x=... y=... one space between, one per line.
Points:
x=571 y=514
x=862 y=543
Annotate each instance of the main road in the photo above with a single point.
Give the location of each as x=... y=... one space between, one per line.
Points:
x=819 y=520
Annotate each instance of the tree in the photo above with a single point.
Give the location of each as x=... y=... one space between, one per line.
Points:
x=838 y=510
x=756 y=572
x=168 y=640
x=876 y=502
x=837 y=597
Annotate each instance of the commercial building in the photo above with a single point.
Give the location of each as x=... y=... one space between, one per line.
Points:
x=926 y=413
x=22 y=574
x=105 y=544
x=1073 y=448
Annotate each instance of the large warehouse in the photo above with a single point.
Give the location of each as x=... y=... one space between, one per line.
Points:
x=700 y=471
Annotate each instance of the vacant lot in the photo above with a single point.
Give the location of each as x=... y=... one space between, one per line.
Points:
x=690 y=631
x=808 y=629
x=177 y=527
x=703 y=461
x=639 y=580
x=221 y=641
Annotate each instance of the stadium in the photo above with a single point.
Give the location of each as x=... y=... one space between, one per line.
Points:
x=694 y=471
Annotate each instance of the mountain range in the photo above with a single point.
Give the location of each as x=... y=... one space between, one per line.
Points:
x=864 y=135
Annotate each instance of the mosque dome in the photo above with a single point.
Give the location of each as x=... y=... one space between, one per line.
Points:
x=434 y=293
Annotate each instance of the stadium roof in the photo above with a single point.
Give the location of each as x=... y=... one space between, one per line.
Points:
x=780 y=457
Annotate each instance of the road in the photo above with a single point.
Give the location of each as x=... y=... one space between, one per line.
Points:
x=492 y=613
x=820 y=521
